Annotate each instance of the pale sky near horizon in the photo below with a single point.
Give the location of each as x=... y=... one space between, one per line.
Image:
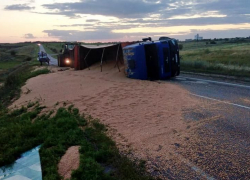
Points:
x=121 y=20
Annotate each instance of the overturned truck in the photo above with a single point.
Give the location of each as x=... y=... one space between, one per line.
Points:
x=152 y=59
x=143 y=60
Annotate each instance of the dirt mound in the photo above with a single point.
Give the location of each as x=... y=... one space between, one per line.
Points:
x=69 y=162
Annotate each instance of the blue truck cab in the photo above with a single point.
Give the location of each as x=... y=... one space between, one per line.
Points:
x=152 y=59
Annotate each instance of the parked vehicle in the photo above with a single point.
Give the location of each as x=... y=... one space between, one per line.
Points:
x=43 y=57
x=66 y=56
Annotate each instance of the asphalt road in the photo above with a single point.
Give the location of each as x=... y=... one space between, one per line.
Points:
x=53 y=61
x=220 y=146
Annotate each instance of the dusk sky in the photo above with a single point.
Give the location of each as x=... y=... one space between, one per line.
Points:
x=122 y=20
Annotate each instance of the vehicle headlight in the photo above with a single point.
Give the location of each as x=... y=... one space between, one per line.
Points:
x=67 y=61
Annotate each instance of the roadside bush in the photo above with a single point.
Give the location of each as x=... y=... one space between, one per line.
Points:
x=54 y=50
x=207 y=51
x=12 y=53
x=213 y=42
x=180 y=46
x=11 y=81
x=15 y=80
x=28 y=59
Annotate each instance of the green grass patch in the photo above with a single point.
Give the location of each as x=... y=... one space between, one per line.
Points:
x=13 y=56
x=5 y=65
x=25 y=128
x=222 y=58
x=13 y=82
x=211 y=68
x=53 y=48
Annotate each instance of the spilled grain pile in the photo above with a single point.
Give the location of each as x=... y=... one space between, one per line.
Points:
x=146 y=116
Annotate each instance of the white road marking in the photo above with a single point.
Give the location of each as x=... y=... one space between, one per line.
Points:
x=238 y=105
x=216 y=82
x=181 y=78
x=200 y=82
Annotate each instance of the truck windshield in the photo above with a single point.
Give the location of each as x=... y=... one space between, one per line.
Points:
x=70 y=46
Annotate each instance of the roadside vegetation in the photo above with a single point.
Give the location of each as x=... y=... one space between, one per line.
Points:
x=25 y=128
x=28 y=127
x=14 y=55
x=53 y=48
x=17 y=64
x=217 y=57
x=10 y=90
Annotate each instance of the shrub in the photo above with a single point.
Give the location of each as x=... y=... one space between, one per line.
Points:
x=12 y=53
x=53 y=50
x=15 y=80
x=213 y=42
x=12 y=80
x=207 y=51
x=180 y=46
x=28 y=59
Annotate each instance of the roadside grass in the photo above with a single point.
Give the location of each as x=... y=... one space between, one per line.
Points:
x=24 y=54
x=18 y=52
x=53 y=48
x=15 y=80
x=25 y=128
x=8 y=65
x=223 y=58
x=220 y=69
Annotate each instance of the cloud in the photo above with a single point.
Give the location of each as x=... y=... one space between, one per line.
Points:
x=169 y=12
x=18 y=7
x=100 y=35
x=29 y=36
x=116 y=8
x=147 y=14
x=75 y=25
x=74 y=35
x=92 y=20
